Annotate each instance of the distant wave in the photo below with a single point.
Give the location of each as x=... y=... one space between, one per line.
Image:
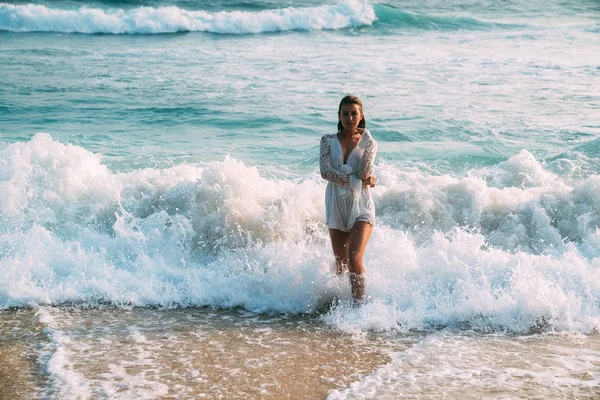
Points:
x=149 y=20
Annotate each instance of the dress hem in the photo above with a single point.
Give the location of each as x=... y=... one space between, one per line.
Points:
x=354 y=223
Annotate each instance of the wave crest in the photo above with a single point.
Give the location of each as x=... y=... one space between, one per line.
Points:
x=149 y=20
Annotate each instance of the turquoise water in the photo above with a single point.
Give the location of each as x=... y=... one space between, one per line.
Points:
x=165 y=154
x=486 y=79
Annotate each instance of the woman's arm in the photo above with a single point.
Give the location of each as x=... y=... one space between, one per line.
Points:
x=326 y=166
x=365 y=167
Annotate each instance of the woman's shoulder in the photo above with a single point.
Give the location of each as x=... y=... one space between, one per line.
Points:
x=328 y=137
x=366 y=139
x=367 y=133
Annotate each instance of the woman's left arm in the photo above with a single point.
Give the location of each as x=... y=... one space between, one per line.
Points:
x=365 y=167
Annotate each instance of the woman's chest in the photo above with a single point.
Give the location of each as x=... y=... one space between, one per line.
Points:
x=347 y=152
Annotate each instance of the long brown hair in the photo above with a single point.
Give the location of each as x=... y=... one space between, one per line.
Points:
x=350 y=99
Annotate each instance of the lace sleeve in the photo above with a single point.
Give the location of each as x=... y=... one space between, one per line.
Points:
x=326 y=166
x=365 y=168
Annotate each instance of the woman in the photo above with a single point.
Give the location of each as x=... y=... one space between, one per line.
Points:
x=346 y=161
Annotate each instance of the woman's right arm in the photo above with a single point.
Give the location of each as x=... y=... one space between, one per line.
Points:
x=365 y=167
x=326 y=166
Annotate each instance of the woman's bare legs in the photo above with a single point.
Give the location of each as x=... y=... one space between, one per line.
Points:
x=359 y=237
x=339 y=243
x=349 y=249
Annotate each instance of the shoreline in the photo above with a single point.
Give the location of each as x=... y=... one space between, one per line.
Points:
x=70 y=352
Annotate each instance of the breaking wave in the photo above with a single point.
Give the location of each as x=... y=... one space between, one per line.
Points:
x=149 y=20
x=507 y=247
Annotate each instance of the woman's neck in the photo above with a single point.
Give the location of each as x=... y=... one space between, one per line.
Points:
x=345 y=133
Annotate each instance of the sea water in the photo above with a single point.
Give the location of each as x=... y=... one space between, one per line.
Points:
x=162 y=216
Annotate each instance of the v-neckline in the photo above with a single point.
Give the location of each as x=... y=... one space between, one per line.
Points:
x=342 y=148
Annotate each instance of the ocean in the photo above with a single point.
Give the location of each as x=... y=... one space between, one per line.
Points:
x=162 y=218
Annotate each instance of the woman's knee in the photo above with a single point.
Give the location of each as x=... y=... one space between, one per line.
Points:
x=355 y=264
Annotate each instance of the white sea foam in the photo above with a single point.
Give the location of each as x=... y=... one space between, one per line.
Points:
x=66 y=382
x=147 y=20
x=493 y=250
x=59 y=359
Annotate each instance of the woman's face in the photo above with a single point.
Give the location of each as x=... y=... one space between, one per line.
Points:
x=350 y=115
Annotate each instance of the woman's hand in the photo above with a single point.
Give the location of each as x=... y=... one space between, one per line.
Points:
x=369 y=181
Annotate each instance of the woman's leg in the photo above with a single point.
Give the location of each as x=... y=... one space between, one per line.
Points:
x=359 y=237
x=339 y=243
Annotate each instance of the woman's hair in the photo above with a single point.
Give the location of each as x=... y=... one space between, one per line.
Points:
x=350 y=99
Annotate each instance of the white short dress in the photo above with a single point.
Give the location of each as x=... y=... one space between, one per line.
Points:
x=346 y=199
